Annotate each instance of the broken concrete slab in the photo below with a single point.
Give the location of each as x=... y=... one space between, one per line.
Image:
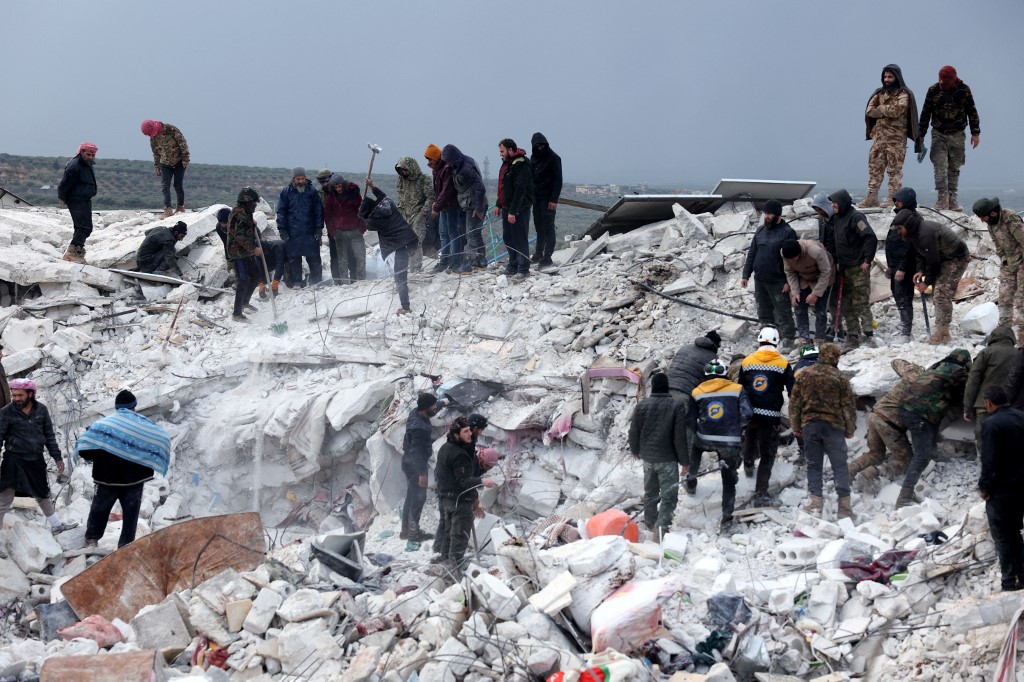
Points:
x=131 y=666
x=162 y=627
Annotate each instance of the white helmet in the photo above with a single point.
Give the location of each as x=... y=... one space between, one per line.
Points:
x=769 y=336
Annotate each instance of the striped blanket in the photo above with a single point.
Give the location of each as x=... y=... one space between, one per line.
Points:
x=130 y=436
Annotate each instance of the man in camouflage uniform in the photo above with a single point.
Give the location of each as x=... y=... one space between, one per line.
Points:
x=949 y=107
x=939 y=258
x=170 y=156
x=886 y=433
x=244 y=250
x=657 y=436
x=890 y=118
x=1007 y=231
x=822 y=411
x=415 y=196
x=856 y=244
x=929 y=397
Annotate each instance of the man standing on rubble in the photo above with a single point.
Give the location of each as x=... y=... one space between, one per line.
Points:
x=124 y=449
x=822 y=411
x=990 y=368
x=25 y=430
x=244 y=251
x=890 y=118
x=928 y=399
x=547 y=185
x=1002 y=474
x=856 y=244
x=949 y=108
x=900 y=284
x=472 y=199
x=171 y=158
x=416 y=452
x=810 y=271
x=1007 y=231
x=76 y=189
x=764 y=261
x=323 y=177
x=657 y=435
x=345 y=229
x=765 y=374
x=484 y=459
x=300 y=222
x=156 y=254
x=457 y=483
x=718 y=411
x=444 y=212
x=827 y=236
x=688 y=364
x=938 y=257
x=515 y=198
x=415 y=196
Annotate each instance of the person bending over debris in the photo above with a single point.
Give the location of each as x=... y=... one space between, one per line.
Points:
x=156 y=253
x=416 y=451
x=76 y=189
x=394 y=236
x=822 y=411
x=657 y=435
x=990 y=367
x=718 y=412
x=25 y=429
x=765 y=374
x=1002 y=474
x=124 y=449
x=810 y=271
x=171 y=158
x=244 y=250
x=687 y=369
x=277 y=262
x=930 y=395
x=457 y=483
x=764 y=261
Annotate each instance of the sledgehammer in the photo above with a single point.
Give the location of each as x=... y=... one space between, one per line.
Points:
x=375 y=149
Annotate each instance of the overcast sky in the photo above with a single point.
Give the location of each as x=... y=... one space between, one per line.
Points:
x=674 y=92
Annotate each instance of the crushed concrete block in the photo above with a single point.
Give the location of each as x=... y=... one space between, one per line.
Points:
x=13 y=582
x=556 y=594
x=823 y=600
x=32 y=546
x=71 y=340
x=981 y=319
x=691 y=229
x=22 y=361
x=719 y=672
x=236 y=611
x=922 y=522
x=162 y=627
x=730 y=223
x=22 y=335
x=226 y=586
x=799 y=551
x=869 y=589
x=457 y=656
x=300 y=643
x=594 y=248
x=895 y=606
x=851 y=629
x=491 y=326
x=706 y=569
x=829 y=559
x=305 y=604
x=813 y=527
x=732 y=329
x=675 y=544
x=684 y=284
x=496 y=596
x=364 y=665
x=780 y=600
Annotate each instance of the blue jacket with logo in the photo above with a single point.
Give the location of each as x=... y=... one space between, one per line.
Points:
x=719 y=409
x=766 y=374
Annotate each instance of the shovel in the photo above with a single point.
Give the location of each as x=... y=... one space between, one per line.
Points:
x=278 y=328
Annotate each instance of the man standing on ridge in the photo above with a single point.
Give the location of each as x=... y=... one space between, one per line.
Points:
x=345 y=229
x=1007 y=231
x=244 y=251
x=515 y=197
x=300 y=222
x=472 y=199
x=890 y=118
x=949 y=108
x=856 y=244
x=547 y=187
x=170 y=156
x=415 y=196
x=900 y=283
x=444 y=211
x=76 y=189
x=764 y=261
x=657 y=436
x=416 y=451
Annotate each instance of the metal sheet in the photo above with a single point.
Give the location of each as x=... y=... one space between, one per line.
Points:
x=168 y=560
x=759 y=191
x=636 y=210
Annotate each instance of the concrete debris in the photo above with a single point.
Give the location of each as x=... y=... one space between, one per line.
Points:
x=308 y=429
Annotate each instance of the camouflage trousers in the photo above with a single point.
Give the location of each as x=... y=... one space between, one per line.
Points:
x=856 y=303
x=885 y=438
x=1011 y=298
x=416 y=255
x=948 y=154
x=661 y=485
x=886 y=156
x=945 y=288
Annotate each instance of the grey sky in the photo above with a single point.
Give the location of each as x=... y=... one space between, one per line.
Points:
x=673 y=92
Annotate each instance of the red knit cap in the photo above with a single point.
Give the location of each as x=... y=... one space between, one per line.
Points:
x=152 y=128
x=87 y=147
x=947 y=73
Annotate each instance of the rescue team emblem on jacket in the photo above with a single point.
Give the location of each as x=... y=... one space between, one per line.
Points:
x=759 y=383
x=716 y=410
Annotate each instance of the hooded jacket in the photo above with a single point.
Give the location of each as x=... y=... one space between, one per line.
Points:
x=856 y=242
x=658 y=431
x=993 y=364
x=827 y=225
x=300 y=220
x=78 y=182
x=939 y=387
x=813 y=269
x=515 y=183
x=445 y=196
x=156 y=253
x=822 y=393
x=687 y=368
x=1002 y=468
x=341 y=213
x=382 y=216
x=763 y=257
x=891 y=115
x=895 y=248
x=547 y=172
x=469 y=183
x=416 y=444
x=719 y=409
x=931 y=244
x=415 y=193
x=241 y=239
x=766 y=374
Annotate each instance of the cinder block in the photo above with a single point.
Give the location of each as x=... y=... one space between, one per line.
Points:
x=799 y=551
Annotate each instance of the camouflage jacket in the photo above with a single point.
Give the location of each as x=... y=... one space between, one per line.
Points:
x=889 y=112
x=169 y=147
x=888 y=407
x=822 y=393
x=950 y=111
x=1008 y=236
x=241 y=234
x=415 y=193
x=939 y=387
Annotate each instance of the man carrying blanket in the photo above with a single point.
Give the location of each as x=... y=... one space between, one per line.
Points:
x=124 y=449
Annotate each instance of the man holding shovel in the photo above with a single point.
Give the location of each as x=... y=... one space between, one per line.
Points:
x=244 y=250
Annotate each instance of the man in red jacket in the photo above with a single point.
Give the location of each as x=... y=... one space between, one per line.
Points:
x=345 y=228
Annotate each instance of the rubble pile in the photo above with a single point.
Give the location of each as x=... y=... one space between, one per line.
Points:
x=306 y=428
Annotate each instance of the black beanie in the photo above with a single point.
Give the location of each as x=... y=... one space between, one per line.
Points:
x=425 y=401
x=790 y=248
x=223 y=215
x=659 y=383
x=125 y=399
x=180 y=228
x=773 y=206
x=983 y=207
x=714 y=338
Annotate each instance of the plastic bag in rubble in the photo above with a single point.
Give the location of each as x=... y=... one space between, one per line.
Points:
x=96 y=628
x=632 y=614
x=727 y=610
x=716 y=641
x=377 y=267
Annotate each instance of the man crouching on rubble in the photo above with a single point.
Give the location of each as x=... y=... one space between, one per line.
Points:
x=25 y=429
x=457 y=483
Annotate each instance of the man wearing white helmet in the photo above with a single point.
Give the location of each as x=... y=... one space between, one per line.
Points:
x=765 y=374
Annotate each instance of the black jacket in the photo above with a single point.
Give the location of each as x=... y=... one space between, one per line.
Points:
x=547 y=172
x=383 y=217
x=687 y=368
x=658 y=431
x=764 y=257
x=856 y=242
x=79 y=181
x=109 y=469
x=1002 y=469
x=456 y=473
x=1014 y=383
x=416 y=444
x=517 y=188
x=156 y=254
x=930 y=244
x=25 y=435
